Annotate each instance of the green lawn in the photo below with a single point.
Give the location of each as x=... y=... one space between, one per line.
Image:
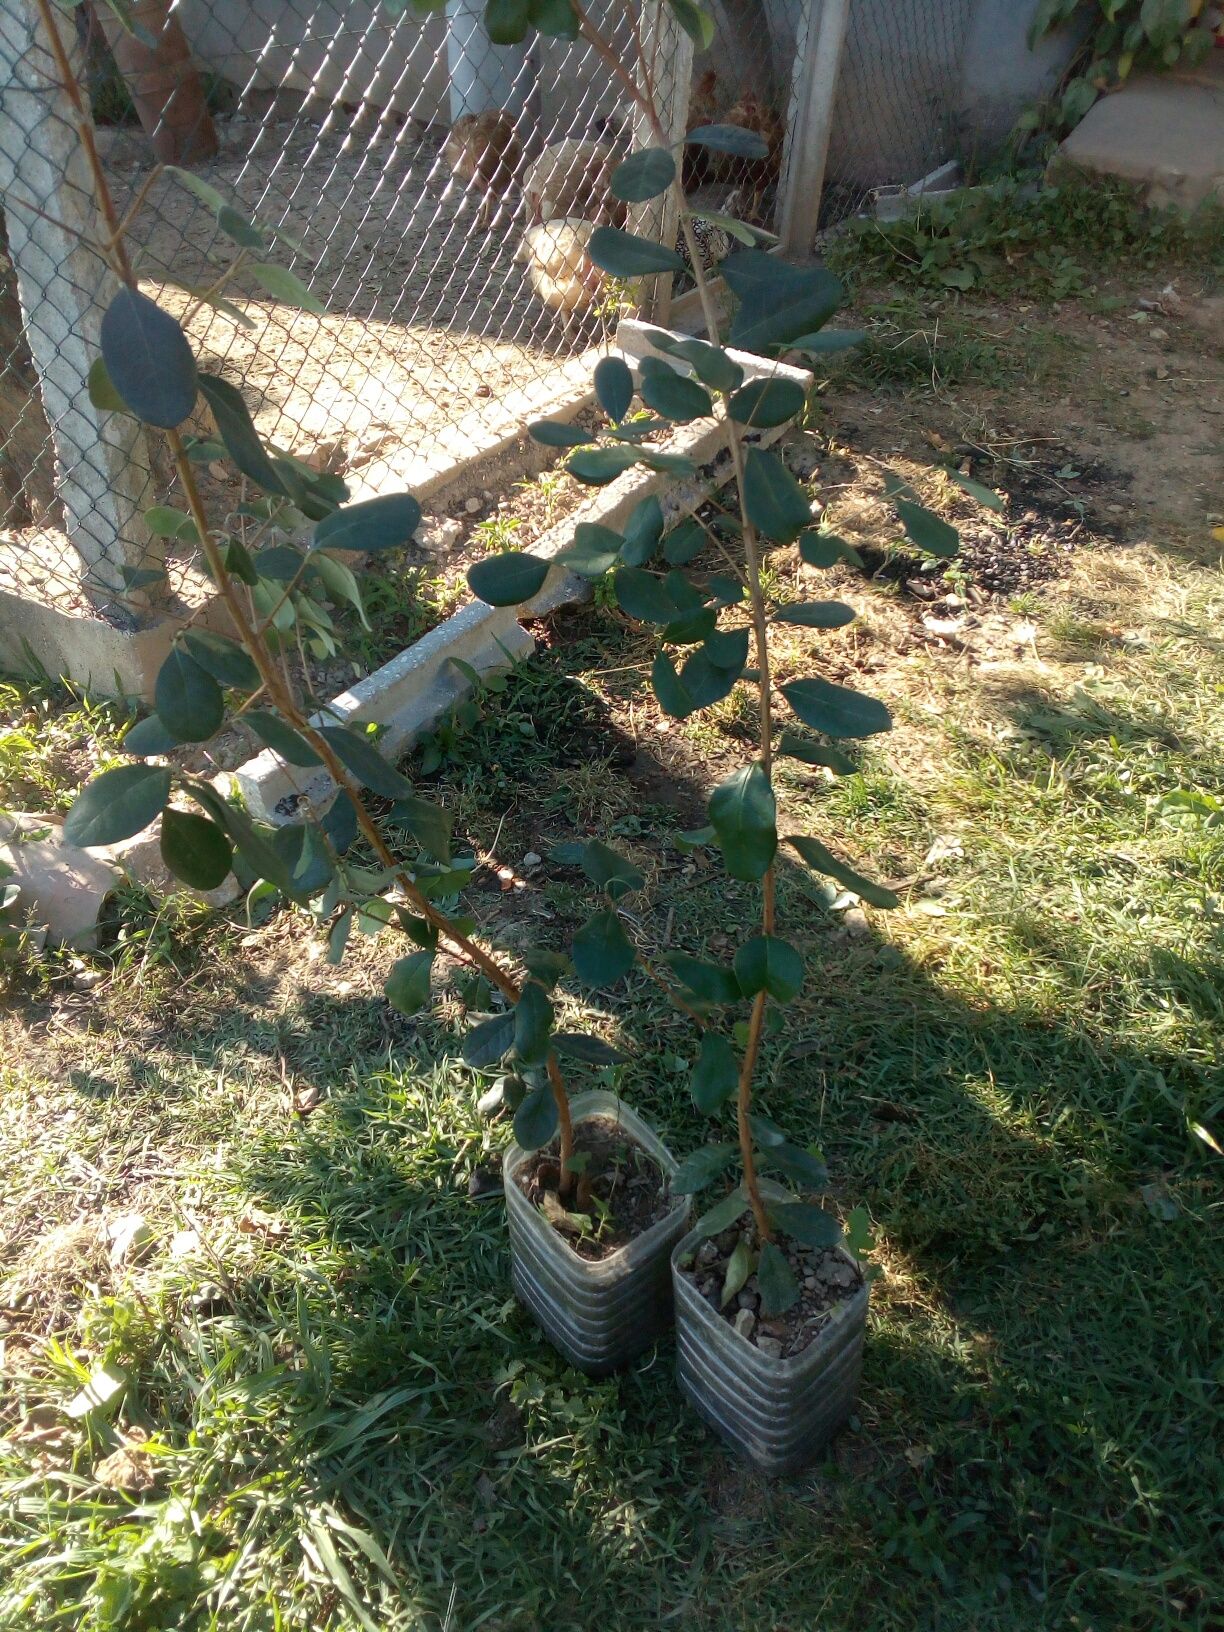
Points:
x=347 y=1419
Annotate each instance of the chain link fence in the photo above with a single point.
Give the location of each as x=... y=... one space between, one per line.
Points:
x=407 y=172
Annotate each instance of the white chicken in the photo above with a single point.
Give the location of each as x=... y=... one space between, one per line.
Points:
x=570 y=179
x=561 y=272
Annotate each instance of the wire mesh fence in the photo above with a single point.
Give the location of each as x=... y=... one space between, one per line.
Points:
x=433 y=192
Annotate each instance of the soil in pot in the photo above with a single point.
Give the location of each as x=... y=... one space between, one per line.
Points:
x=620 y=1194
x=824 y=1276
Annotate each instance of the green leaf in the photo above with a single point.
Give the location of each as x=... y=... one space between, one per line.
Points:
x=708 y=982
x=407 y=983
x=556 y=19
x=735 y=228
x=614 y=387
x=836 y=710
x=722 y=1215
x=828 y=340
x=533 y=1018
x=506 y=21
x=281 y=738
x=976 y=490
x=148 y=737
x=643 y=530
x=237 y=430
x=117 y=805
x=815 y=753
x=195 y=184
x=859 y=1236
x=806 y=1223
x=927 y=530
x=824 y=861
x=149 y=360
x=599 y=466
x=774 y=500
x=711 y=364
x=767 y=964
x=254 y=843
x=795 y=1162
x=668 y=689
x=578 y=1045
x=552 y=433
x=164 y=521
x=728 y=648
x=280 y=562
x=767 y=402
x=195 y=849
x=816 y=614
x=702 y=1167
x=625 y=255
x=743 y=814
x=615 y=875
x=715 y=1074
x=536 y=1120
x=684 y=543
x=779 y=1288
x=239 y=230
x=777 y=302
x=595 y=550
x=651 y=599
x=704 y=681
x=546 y=965
x=601 y=950
x=696 y=22
x=225 y=659
x=643 y=175
x=490 y=1041
x=310 y=871
x=740 y=1266
x=821 y=549
x=358 y=754
x=373 y=525
x=286 y=286
x=340 y=583
x=187 y=698
x=101 y=391
x=674 y=396
x=428 y=823
x=507 y=579
x=734 y=139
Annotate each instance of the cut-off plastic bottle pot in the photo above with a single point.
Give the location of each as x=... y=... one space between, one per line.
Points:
x=599 y=1313
x=777 y=1413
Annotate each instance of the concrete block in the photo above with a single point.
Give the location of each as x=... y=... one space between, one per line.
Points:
x=1164 y=132
x=140 y=859
x=61 y=888
x=407 y=695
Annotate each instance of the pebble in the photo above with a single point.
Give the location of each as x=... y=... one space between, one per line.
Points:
x=490 y=1102
x=531 y=859
x=745 y=1320
x=810 y=1282
x=438 y=534
x=770 y=1347
x=707 y=1253
x=747 y=1300
x=855 y=922
x=772 y=1328
x=471 y=506
x=836 y=1273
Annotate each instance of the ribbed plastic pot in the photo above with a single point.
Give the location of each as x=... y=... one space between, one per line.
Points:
x=599 y=1313
x=777 y=1413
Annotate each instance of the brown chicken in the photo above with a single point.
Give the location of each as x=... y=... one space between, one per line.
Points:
x=484 y=154
x=703 y=110
x=572 y=178
x=754 y=176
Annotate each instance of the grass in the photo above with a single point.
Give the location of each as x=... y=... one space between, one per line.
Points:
x=339 y=1416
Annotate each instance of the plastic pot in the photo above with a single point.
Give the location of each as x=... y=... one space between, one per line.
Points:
x=599 y=1313
x=777 y=1413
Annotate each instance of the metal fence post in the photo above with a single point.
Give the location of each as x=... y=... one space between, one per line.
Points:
x=817 y=68
x=668 y=54
x=64 y=285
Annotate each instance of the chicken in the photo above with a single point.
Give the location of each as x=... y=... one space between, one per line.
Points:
x=755 y=176
x=571 y=179
x=703 y=110
x=484 y=154
x=562 y=274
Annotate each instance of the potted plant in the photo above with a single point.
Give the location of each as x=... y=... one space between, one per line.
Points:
x=770 y=1305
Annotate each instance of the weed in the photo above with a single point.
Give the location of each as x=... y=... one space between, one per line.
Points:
x=498 y=533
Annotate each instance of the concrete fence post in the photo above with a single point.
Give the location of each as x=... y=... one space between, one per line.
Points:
x=668 y=54
x=814 y=95
x=64 y=285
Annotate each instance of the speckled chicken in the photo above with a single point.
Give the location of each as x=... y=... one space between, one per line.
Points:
x=484 y=154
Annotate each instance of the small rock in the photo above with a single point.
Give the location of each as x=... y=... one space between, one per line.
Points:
x=490 y=1102
x=809 y=1282
x=438 y=534
x=531 y=859
x=707 y=1253
x=854 y=922
x=835 y=1272
x=748 y=1300
x=185 y=1244
x=471 y=506
x=772 y=1328
x=129 y=1235
x=770 y=1347
x=745 y=1320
